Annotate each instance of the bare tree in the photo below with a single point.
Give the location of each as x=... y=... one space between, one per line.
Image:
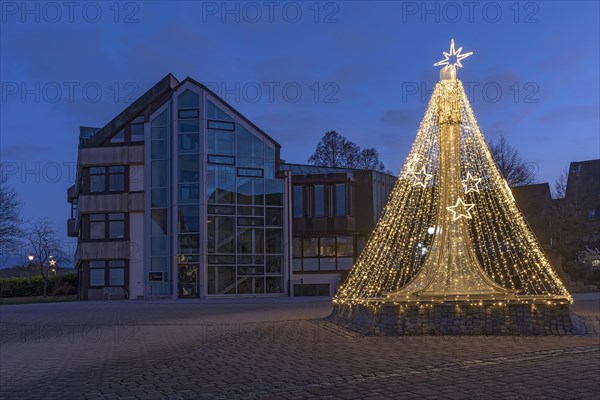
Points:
x=45 y=247
x=10 y=219
x=560 y=185
x=511 y=165
x=335 y=150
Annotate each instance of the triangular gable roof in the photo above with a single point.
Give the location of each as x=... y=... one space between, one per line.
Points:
x=165 y=85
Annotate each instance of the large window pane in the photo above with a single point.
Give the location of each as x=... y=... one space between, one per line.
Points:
x=340 y=200
x=273 y=192
x=189 y=125
x=250 y=191
x=97 y=180
x=189 y=192
x=189 y=219
x=159 y=244
x=188 y=99
x=159 y=133
x=297 y=202
x=189 y=243
x=158 y=197
x=137 y=132
x=97 y=226
x=221 y=234
x=159 y=222
x=319 y=201
x=97 y=277
x=345 y=246
x=189 y=143
x=251 y=240
x=274 y=285
x=221 y=142
x=310 y=247
x=327 y=248
x=249 y=145
x=116 y=178
x=274 y=241
x=189 y=168
x=274 y=264
x=221 y=279
x=116 y=226
x=273 y=217
x=159 y=174
x=214 y=112
x=220 y=184
x=160 y=120
x=158 y=149
x=116 y=276
x=328 y=264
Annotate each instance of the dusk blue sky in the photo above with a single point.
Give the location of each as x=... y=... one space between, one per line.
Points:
x=365 y=69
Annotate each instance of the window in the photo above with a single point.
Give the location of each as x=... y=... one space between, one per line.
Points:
x=119 y=137
x=227 y=160
x=221 y=142
x=107 y=273
x=97 y=180
x=297 y=202
x=188 y=99
x=116 y=179
x=220 y=184
x=327 y=253
x=137 y=132
x=273 y=217
x=112 y=177
x=221 y=234
x=106 y=226
x=340 y=200
x=97 y=273
x=221 y=125
x=319 y=201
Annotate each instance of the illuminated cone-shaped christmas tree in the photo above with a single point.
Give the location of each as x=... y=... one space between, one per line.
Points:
x=451 y=230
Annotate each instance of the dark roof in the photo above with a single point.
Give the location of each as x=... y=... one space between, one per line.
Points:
x=165 y=85
x=303 y=169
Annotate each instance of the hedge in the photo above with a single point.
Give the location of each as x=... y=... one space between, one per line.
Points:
x=24 y=287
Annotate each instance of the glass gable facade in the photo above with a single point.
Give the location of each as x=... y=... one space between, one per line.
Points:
x=244 y=208
x=215 y=176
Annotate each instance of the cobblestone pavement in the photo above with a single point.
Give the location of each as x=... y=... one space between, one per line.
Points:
x=272 y=349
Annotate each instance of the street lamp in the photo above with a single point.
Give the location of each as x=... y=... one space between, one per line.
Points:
x=30 y=265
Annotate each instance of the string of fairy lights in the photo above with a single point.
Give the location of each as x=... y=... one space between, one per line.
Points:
x=451 y=230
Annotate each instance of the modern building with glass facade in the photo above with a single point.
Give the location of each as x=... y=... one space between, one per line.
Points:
x=333 y=213
x=180 y=196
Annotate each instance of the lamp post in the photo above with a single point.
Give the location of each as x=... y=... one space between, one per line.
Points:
x=30 y=265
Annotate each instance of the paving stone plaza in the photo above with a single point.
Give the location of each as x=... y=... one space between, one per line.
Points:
x=274 y=349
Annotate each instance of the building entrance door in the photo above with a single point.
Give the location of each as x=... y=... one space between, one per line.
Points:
x=189 y=283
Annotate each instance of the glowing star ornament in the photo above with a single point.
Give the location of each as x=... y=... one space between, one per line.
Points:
x=471 y=183
x=422 y=177
x=460 y=209
x=447 y=64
